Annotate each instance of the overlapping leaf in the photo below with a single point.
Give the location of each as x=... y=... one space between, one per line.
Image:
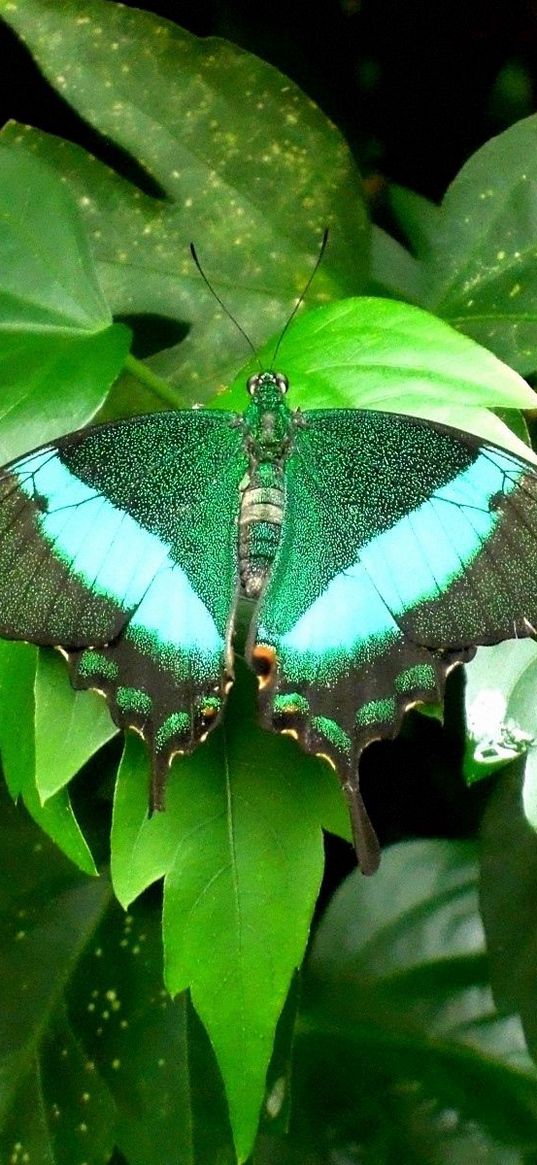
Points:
x=477 y=253
x=399 y=1023
x=56 y=330
x=252 y=181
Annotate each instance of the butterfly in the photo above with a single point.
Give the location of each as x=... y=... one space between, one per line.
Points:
x=376 y=551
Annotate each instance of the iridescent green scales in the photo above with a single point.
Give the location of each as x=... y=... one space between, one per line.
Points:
x=377 y=550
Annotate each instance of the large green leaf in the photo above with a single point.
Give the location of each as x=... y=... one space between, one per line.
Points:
x=375 y=353
x=401 y=1054
x=49 y=283
x=253 y=181
x=240 y=845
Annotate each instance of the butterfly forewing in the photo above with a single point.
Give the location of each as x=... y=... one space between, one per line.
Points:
x=119 y=545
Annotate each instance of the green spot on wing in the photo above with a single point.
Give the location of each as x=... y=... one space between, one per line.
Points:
x=178 y=724
x=291 y=703
x=134 y=700
x=332 y=733
x=95 y=664
x=421 y=676
x=376 y=711
x=212 y=703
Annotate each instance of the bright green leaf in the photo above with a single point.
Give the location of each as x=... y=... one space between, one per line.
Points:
x=375 y=353
x=52 y=385
x=69 y=726
x=18 y=664
x=240 y=844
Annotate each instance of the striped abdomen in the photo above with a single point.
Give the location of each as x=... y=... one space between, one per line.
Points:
x=260 y=520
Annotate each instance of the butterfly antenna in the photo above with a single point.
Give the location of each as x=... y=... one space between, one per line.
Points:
x=222 y=304
x=303 y=293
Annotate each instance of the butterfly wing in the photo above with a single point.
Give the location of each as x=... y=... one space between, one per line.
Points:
x=118 y=544
x=404 y=545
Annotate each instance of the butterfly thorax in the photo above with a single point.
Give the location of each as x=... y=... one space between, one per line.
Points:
x=268 y=436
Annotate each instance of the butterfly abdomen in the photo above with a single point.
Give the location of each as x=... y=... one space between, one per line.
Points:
x=260 y=520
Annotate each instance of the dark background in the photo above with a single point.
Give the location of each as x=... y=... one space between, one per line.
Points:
x=416 y=87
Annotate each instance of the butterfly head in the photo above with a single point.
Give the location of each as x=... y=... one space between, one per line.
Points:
x=267 y=387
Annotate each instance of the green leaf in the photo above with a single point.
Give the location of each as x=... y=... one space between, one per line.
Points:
x=93 y=1053
x=501 y=690
x=137 y=1037
x=53 y=385
x=478 y=249
x=252 y=181
x=18 y=665
x=51 y=1099
x=394 y=271
x=49 y=283
x=398 y=1021
x=482 y=272
x=375 y=353
x=240 y=845
x=508 y=892
x=70 y=726
x=55 y=327
x=419 y=219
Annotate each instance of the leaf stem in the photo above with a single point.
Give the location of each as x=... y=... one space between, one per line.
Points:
x=160 y=387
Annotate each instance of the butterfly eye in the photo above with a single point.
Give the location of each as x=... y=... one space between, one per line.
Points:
x=252 y=383
x=282 y=382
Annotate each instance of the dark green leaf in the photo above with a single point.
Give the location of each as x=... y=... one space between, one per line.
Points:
x=56 y=329
x=478 y=249
x=253 y=182
x=399 y=1013
x=508 y=895
x=394 y=271
x=52 y=1103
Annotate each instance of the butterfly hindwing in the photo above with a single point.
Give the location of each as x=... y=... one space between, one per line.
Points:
x=404 y=545
x=119 y=546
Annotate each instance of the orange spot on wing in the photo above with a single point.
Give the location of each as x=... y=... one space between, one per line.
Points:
x=264 y=661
